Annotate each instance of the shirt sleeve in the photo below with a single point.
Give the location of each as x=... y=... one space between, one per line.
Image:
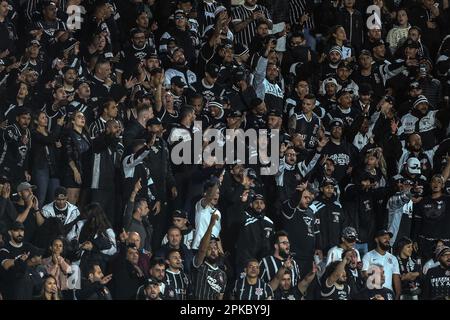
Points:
x=366 y=262
x=395 y=267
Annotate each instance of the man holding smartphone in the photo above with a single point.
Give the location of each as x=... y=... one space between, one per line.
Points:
x=28 y=211
x=244 y=19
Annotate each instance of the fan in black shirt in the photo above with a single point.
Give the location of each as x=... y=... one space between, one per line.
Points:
x=208 y=86
x=15 y=281
x=334 y=281
x=208 y=279
x=437 y=281
x=175 y=276
x=283 y=287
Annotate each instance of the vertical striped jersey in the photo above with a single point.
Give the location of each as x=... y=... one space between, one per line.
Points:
x=242 y=13
x=244 y=291
x=269 y=267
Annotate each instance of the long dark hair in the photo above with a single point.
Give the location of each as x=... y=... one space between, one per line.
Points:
x=42 y=295
x=96 y=223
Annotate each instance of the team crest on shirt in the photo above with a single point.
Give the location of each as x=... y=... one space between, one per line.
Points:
x=220 y=278
x=389 y=260
x=447 y=273
x=154 y=149
x=336 y=216
x=171 y=293
x=259 y=291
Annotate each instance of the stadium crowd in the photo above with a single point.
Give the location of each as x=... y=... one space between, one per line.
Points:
x=96 y=97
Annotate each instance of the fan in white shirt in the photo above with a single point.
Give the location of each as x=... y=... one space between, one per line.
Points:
x=381 y=256
x=204 y=208
x=349 y=237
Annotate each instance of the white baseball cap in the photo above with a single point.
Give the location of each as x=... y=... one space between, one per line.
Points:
x=413 y=165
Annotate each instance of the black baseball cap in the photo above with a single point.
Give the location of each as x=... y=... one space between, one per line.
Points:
x=234 y=114
x=151 y=281
x=180 y=214
x=378 y=43
x=410 y=43
x=389 y=99
x=257 y=196
x=414 y=85
x=342 y=92
x=344 y=64
x=274 y=113
x=16 y=225
x=178 y=81
x=383 y=232
x=60 y=192
x=251 y=174
x=135 y=31
x=212 y=69
x=365 y=89
x=153 y=121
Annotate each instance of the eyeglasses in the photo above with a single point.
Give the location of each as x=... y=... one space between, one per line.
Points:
x=179 y=17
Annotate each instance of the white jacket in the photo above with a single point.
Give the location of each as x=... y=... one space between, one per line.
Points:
x=48 y=211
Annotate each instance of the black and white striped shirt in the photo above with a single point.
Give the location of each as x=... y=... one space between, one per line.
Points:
x=209 y=7
x=242 y=13
x=297 y=8
x=97 y=127
x=270 y=265
x=180 y=281
x=245 y=291
x=208 y=282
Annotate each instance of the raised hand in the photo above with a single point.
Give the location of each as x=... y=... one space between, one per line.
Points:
x=137 y=186
x=106 y=279
x=6 y=191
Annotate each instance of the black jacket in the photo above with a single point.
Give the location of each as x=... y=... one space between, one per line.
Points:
x=254 y=239
x=125 y=281
x=43 y=150
x=361 y=210
x=74 y=151
x=302 y=226
x=332 y=221
x=14 y=159
x=107 y=151
x=436 y=284
x=158 y=162
x=93 y=291
x=354 y=26
x=240 y=100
